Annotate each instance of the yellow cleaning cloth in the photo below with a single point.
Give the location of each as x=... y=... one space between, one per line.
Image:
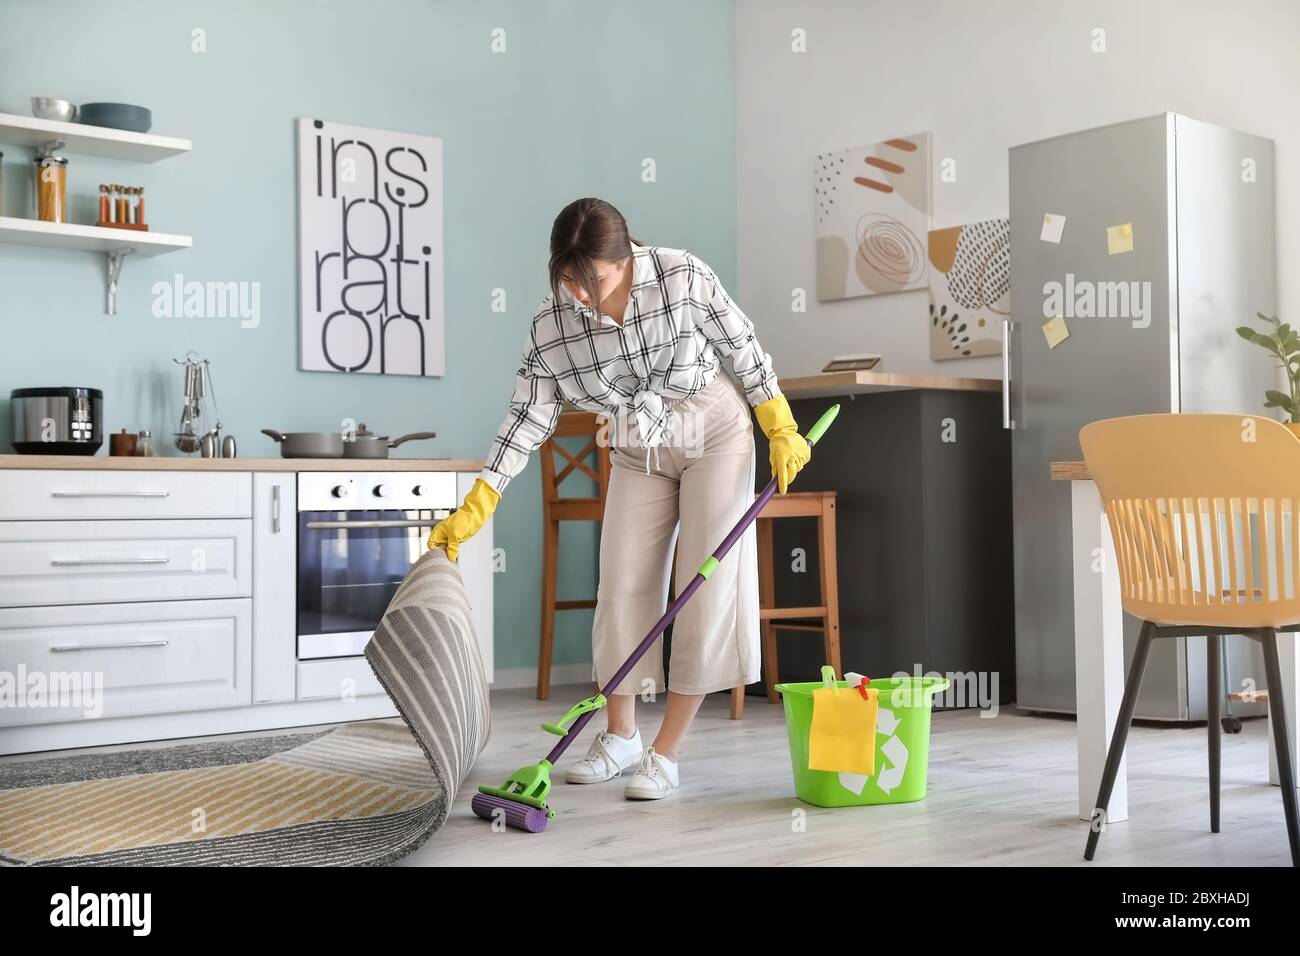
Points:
x=843 y=734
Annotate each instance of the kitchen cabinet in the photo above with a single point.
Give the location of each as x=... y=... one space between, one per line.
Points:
x=152 y=658
x=33 y=494
x=274 y=590
x=94 y=562
x=176 y=580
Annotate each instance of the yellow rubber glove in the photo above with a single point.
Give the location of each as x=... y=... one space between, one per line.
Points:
x=467 y=520
x=789 y=451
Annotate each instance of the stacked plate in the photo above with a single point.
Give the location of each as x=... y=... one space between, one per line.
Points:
x=136 y=119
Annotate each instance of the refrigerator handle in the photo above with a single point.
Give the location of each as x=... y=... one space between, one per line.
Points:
x=1007 y=423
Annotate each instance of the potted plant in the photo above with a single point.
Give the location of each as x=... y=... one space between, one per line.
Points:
x=1283 y=343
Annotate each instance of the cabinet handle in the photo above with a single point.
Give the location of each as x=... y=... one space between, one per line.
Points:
x=1007 y=423
x=99 y=647
x=275 y=509
x=109 y=494
x=412 y=523
x=144 y=559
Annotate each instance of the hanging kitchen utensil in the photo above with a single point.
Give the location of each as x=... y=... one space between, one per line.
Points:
x=199 y=416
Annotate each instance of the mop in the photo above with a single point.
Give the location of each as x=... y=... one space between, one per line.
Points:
x=521 y=801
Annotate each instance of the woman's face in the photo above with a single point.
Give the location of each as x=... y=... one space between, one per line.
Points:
x=609 y=276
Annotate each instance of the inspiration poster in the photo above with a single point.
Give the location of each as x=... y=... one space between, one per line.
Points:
x=369 y=250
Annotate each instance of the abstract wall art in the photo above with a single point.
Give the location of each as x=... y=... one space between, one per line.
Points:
x=370 y=273
x=873 y=216
x=970 y=288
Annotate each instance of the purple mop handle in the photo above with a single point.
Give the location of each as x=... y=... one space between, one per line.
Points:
x=732 y=537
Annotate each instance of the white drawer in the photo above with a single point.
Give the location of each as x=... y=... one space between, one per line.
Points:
x=147 y=658
x=98 y=562
x=27 y=494
x=337 y=678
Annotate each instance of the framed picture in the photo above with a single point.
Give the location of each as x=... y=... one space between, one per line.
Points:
x=873 y=215
x=370 y=270
x=970 y=288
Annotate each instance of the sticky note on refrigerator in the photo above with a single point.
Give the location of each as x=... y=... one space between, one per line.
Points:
x=1119 y=238
x=1053 y=226
x=1055 y=331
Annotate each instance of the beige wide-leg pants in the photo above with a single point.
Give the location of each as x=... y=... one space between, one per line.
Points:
x=700 y=482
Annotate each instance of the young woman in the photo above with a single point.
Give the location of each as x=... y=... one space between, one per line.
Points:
x=636 y=332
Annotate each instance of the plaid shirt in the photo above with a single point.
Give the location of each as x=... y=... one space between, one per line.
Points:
x=679 y=319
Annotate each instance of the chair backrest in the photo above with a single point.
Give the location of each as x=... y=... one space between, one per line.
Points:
x=575 y=424
x=1205 y=514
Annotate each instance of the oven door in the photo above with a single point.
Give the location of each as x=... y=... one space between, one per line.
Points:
x=350 y=564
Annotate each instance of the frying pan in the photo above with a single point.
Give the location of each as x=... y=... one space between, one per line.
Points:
x=307 y=444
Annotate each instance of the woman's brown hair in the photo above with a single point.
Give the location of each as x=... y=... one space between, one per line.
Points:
x=587 y=229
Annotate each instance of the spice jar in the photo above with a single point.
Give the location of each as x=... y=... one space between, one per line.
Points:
x=51 y=188
x=122 y=444
x=144 y=445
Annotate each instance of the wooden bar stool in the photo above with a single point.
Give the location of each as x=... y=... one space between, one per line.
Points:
x=557 y=508
x=795 y=504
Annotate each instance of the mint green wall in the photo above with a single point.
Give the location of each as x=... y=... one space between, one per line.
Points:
x=584 y=94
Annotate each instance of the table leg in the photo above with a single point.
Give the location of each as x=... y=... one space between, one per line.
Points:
x=1098 y=649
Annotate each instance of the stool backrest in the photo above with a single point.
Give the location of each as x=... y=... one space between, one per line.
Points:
x=1205 y=514
x=576 y=424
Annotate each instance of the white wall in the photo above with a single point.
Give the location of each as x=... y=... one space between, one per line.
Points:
x=982 y=77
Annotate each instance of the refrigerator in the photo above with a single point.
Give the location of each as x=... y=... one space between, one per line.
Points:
x=1167 y=245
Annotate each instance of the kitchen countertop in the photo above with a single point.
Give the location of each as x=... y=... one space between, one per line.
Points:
x=181 y=463
x=831 y=384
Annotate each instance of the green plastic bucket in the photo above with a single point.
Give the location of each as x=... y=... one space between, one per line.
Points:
x=902 y=744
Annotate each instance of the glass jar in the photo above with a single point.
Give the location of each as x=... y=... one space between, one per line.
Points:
x=144 y=445
x=51 y=188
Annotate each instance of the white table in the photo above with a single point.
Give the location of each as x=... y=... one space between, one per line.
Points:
x=1099 y=665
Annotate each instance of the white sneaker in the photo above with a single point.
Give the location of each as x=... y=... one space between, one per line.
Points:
x=655 y=777
x=608 y=756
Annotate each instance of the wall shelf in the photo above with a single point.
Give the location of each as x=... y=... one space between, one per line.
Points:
x=89 y=140
x=64 y=235
x=116 y=244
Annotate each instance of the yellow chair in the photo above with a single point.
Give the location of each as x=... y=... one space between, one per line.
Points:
x=1205 y=514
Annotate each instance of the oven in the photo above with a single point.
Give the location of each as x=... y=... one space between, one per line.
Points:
x=358 y=535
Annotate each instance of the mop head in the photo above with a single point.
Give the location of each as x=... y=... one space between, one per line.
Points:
x=520 y=802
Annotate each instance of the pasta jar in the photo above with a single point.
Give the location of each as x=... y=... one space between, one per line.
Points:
x=52 y=188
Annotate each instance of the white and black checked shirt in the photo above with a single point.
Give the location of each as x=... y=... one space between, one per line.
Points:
x=679 y=320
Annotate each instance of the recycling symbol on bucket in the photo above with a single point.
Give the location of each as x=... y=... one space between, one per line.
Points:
x=889 y=777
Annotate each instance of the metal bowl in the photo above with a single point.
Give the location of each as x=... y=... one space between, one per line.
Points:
x=44 y=107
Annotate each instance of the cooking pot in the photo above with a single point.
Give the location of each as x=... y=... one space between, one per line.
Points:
x=366 y=444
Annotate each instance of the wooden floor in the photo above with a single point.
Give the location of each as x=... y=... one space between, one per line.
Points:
x=1001 y=793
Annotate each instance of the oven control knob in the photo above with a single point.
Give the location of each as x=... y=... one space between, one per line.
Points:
x=341 y=491
x=381 y=491
x=421 y=491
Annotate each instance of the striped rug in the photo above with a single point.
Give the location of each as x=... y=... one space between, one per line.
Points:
x=364 y=793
